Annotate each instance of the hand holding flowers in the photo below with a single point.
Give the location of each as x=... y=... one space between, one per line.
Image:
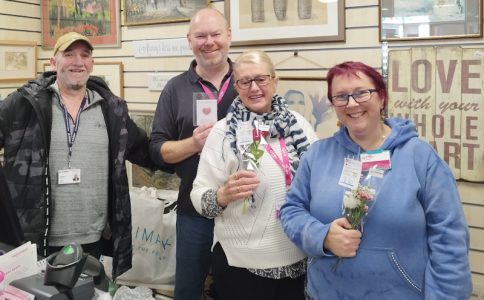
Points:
x=251 y=159
x=355 y=208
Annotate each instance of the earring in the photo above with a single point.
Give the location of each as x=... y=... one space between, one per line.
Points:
x=382 y=114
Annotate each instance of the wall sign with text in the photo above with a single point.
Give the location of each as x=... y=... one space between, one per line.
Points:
x=440 y=89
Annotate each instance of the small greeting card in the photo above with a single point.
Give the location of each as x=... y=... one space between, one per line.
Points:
x=205 y=109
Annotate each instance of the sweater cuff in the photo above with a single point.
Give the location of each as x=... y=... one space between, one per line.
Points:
x=210 y=206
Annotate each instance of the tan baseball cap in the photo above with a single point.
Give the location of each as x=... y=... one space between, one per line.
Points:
x=67 y=39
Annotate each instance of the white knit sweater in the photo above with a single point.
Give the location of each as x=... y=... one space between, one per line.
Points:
x=254 y=239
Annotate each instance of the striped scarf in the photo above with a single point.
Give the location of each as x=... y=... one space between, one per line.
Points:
x=282 y=123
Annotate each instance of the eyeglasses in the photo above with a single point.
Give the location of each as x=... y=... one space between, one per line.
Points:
x=260 y=80
x=359 y=97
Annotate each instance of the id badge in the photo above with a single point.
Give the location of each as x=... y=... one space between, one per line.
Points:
x=351 y=173
x=69 y=176
x=244 y=134
x=379 y=159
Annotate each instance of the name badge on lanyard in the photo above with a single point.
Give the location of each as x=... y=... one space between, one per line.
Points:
x=379 y=159
x=70 y=175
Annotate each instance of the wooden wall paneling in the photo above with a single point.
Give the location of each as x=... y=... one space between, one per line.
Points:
x=478 y=284
x=354 y=20
x=18 y=23
x=471 y=192
x=477 y=261
x=161 y=64
x=358 y=3
x=477 y=241
x=20 y=9
x=474 y=215
x=13 y=35
x=154 y=31
x=362 y=37
x=141 y=95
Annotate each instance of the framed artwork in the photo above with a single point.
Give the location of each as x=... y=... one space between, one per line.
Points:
x=307 y=96
x=111 y=72
x=140 y=12
x=268 y=22
x=18 y=60
x=99 y=20
x=430 y=19
x=144 y=177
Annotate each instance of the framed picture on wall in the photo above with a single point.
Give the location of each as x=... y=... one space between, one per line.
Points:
x=140 y=12
x=110 y=72
x=18 y=60
x=99 y=20
x=430 y=19
x=140 y=176
x=307 y=96
x=267 y=22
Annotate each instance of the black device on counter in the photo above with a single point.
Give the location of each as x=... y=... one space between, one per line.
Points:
x=70 y=274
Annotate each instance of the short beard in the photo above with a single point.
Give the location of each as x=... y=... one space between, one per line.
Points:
x=77 y=86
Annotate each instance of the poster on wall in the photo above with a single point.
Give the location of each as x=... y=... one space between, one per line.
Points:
x=269 y=22
x=440 y=89
x=99 y=20
x=307 y=96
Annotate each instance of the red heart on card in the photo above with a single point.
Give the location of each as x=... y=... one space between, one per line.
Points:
x=206 y=110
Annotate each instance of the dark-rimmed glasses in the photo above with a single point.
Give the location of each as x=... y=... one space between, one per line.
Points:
x=359 y=96
x=260 y=80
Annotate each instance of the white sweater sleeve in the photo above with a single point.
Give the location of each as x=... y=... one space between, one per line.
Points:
x=217 y=162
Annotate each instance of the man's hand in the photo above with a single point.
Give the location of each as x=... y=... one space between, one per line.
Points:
x=200 y=135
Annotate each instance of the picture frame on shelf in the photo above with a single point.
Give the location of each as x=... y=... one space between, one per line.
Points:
x=141 y=12
x=110 y=72
x=268 y=22
x=99 y=20
x=402 y=20
x=18 y=60
x=308 y=97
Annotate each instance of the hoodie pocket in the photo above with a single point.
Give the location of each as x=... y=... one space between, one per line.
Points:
x=378 y=271
x=399 y=268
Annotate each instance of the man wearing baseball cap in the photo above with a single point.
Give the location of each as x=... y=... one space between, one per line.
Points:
x=67 y=39
x=67 y=124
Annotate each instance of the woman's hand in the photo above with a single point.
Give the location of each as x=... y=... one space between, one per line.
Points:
x=342 y=240
x=240 y=185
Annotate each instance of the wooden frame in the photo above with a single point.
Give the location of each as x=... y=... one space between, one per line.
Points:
x=18 y=60
x=428 y=19
x=139 y=176
x=98 y=20
x=111 y=72
x=141 y=12
x=266 y=22
x=308 y=96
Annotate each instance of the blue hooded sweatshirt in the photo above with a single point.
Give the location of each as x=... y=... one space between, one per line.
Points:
x=415 y=239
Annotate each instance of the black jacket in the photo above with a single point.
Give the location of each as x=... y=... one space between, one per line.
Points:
x=25 y=128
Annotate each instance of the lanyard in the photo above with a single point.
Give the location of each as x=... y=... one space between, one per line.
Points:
x=71 y=136
x=284 y=164
x=222 y=90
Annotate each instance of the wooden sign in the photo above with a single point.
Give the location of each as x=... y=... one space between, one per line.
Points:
x=441 y=90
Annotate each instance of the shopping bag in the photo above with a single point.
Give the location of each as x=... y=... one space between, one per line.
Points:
x=153 y=214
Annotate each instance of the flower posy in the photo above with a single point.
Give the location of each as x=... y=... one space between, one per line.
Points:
x=252 y=156
x=253 y=153
x=355 y=205
x=355 y=208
